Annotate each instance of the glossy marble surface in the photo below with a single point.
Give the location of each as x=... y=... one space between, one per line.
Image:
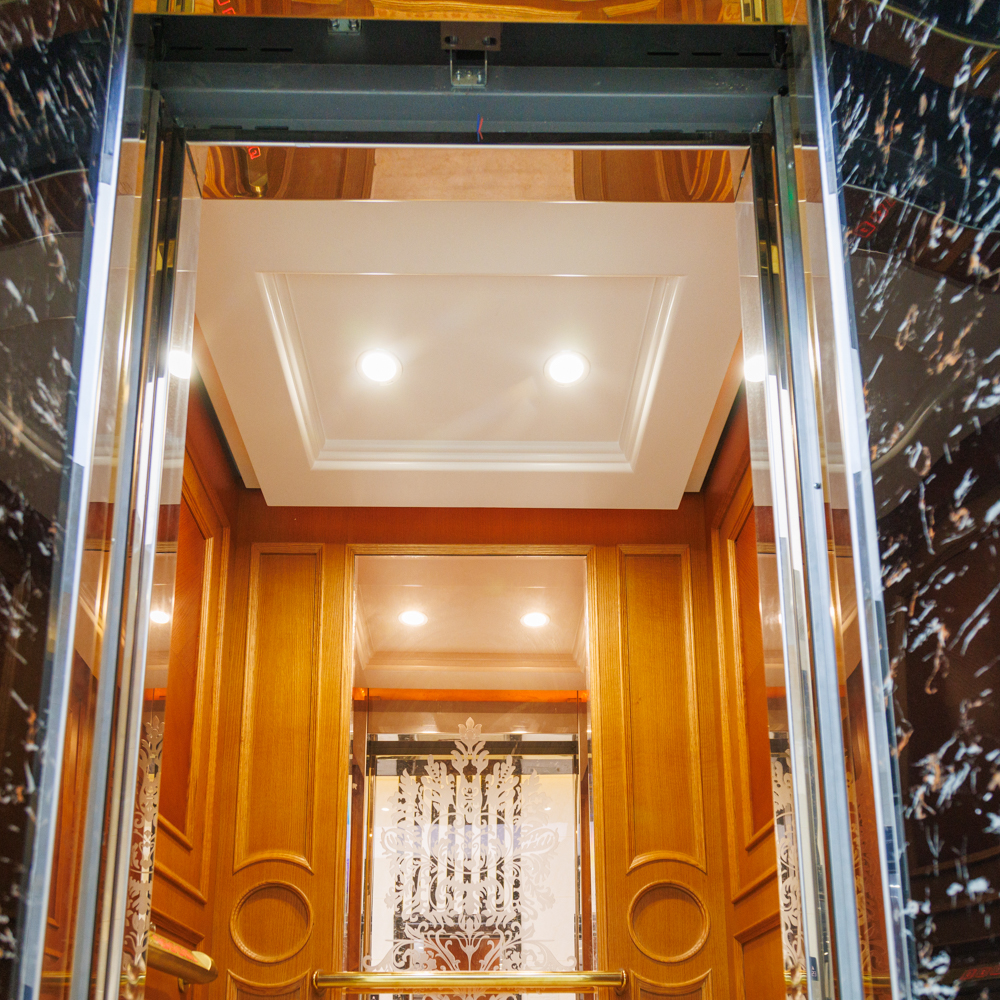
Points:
x=914 y=91
x=53 y=78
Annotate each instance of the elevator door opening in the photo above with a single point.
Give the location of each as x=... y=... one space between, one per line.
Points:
x=364 y=752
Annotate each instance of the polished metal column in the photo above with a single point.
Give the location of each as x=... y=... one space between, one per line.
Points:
x=823 y=833
x=850 y=396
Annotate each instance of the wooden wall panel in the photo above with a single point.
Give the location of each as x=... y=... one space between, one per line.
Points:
x=276 y=801
x=192 y=582
x=753 y=913
x=741 y=553
x=187 y=787
x=762 y=964
x=660 y=865
x=65 y=859
x=658 y=669
x=241 y=989
x=695 y=989
x=660 y=852
x=279 y=881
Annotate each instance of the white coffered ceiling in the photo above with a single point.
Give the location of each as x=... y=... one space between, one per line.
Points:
x=472 y=297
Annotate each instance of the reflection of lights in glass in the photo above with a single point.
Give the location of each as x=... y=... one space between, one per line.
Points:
x=755 y=368
x=379 y=366
x=159 y=617
x=179 y=363
x=413 y=618
x=534 y=619
x=567 y=367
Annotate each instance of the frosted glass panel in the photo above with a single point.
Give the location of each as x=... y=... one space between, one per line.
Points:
x=475 y=859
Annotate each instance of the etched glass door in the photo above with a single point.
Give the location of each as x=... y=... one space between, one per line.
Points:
x=470 y=846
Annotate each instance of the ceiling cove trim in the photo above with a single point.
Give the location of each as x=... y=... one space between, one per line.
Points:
x=326 y=454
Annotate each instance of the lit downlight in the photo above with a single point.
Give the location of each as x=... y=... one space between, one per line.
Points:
x=413 y=618
x=567 y=367
x=534 y=619
x=380 y=366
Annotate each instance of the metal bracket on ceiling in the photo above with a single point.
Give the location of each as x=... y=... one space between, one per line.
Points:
x=468 y=45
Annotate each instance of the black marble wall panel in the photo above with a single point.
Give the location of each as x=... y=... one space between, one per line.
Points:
x=914 y=89
x=54 y=58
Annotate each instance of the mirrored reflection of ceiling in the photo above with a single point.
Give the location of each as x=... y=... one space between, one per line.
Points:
x=473 y=298
x=473 y=637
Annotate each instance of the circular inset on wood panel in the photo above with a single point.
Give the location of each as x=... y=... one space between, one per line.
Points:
x=271 y=922
x=668 y=922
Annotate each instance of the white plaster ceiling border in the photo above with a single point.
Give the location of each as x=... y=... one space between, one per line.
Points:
x=325 y=453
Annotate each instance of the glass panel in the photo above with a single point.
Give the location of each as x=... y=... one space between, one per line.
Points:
x=178 y=541
x=93 y=597
x=471 y=677
x=59 y=370
x=770 y=586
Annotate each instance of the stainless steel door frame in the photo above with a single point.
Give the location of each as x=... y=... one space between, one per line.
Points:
x=830 y=935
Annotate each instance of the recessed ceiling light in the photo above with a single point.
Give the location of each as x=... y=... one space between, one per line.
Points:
x=567 y=367
x=755 y=368
x=179 y=363
x=535 y=619
x=379 y=366
x=413 y=618
x=159 y=617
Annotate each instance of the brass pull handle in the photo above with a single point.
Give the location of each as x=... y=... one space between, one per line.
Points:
x=176 y=960
x=466 y=982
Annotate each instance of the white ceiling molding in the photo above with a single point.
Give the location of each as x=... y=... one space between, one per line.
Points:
x=717 y=422
x=488 y=662
x=220 y=403
x=326 y=453
x=472 y=297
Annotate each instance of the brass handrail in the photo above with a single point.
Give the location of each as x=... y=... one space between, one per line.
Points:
x=469 y=982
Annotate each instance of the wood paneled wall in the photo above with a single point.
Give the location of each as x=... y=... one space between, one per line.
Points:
x=65 y=859
x=278 y=914
x=686 y=893
x=661 y=859
x=182 y=902
x=753 y=907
